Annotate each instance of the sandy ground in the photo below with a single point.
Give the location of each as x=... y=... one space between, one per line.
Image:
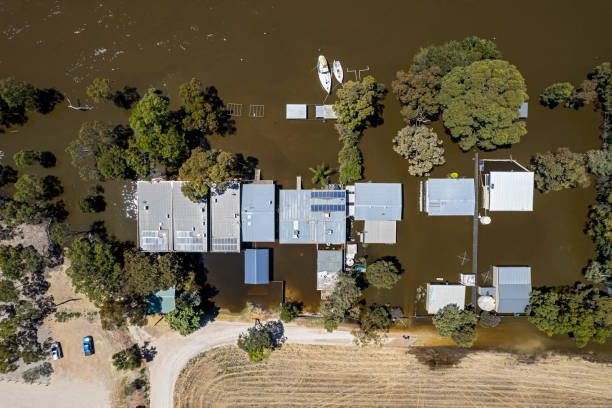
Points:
x=331 y=376
x=35 y=235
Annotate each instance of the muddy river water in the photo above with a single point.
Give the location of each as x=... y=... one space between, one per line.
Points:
x=264 y=53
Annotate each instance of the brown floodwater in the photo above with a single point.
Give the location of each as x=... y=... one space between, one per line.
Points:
x=264 y=53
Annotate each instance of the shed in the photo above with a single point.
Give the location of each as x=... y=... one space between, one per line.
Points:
x=507 y=186
x=329 y=267
x=379 y=232
x=512 y=287
x=297 y=111
x=524 y=110
x=162 y=301
x=258 y=212
x=378 y=201
x=256 y=266
x=325 y=112
x=225 y=218
x=440 y=295
x=449 y=196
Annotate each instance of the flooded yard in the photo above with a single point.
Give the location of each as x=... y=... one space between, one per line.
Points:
x=264 y=53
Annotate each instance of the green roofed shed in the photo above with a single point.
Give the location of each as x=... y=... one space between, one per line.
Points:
x=161 y=301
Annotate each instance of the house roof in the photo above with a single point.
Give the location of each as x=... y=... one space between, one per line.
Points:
x=440 y=295
x=330 y=261
x=256 y=266
x=162 y=301
x=296 y=111
x=154 y=216
x=258 y=212
x=189 y=220
x=379 y=232
x=513 y=285
x=312 y=216
x=511 y=191
x=378 y=201
x=449 y=196
x=225 y=219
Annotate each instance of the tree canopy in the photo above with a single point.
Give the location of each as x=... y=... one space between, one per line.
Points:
x=340 y=302
x=456 y=324
x=358 y=103
x=376 y=319
x=555 y=94
x=203 y=110
x=290 y=310
x=32 y=189
x=205 y=168
x=559 y=170
x=418 y=93
x=421 y=147
x=187 y=317
x=92 y=203
x=382 y=274
x=128 y=359
x=481 y=104
x=259 y=341
x=100 y=90
x=18 y=261
x=580 y=311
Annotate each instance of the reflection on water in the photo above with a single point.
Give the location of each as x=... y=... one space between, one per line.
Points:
x=263 y=53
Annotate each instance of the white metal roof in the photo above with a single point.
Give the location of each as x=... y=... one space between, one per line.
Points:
x=511 y=191
x=440 y=295
x=379 y=232
x=297 y=111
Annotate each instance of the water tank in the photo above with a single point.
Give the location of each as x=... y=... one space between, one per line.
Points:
x=485 y=220
x=486 y=303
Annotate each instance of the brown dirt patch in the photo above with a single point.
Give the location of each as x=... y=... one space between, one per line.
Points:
x=301 y=375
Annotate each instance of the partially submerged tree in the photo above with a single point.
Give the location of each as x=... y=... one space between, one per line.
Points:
x=92 y=203
x=456 y=324
x=382 y=274
x=421 y=147
x=32 y=189
x=205 y=168
x=320 y=173
x=481 y=104
x=204 y=111
x=556 y=94
x=559 y=170
x=100 y=90
x=358 y=104
x=418 y=93
x=290 y=310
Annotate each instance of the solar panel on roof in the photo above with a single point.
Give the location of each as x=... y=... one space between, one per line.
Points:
x=328 y=194
x=327 y=207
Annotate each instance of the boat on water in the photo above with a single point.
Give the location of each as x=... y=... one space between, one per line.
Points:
x=338 y=71
x=324 y=73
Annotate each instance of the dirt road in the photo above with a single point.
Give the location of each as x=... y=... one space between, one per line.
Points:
x=174 y=351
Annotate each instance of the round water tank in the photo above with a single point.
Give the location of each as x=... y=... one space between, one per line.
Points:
x=350 y=262
x=485 y=220
x=486 y=303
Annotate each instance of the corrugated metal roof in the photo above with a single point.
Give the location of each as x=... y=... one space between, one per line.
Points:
x=296 y=111
x=378 y=201
x=305 y=218
x=256 y=266
x=511 y=191
x=513 y=285
x=190 y=221
x=225 y=219
x=524 y=110
x=440 y=295
x=154 y=216
x=162 y=301
x=330 y=261
x=449 y=196
x=379 y=232
x=258 y=212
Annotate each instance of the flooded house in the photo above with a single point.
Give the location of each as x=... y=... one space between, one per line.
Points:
x=168 y=221
x=258 y=212
x=312 y=217
x=506 y=186
x=512 y=287
x=256 y=266
x=329 y=267
x=448 y=196
x=380 y=206
x=443 y=294
x=225 y=218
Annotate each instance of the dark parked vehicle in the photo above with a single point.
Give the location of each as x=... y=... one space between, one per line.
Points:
x=88 y=345
x=56 y=351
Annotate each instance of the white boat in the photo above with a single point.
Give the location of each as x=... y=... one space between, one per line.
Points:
x=324 y=74
x=338 y=72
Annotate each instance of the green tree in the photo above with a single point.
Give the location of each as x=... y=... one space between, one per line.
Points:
x=100 y=90
x=454 y=54
x=128 y=359
x=555 y=94
x=17 y=95
x=599 y=227
x=456 y=324
x=382 y=274
x=320 y=173
x=204 y=111
x=94 y=136
x=138 y=162
x=481 y=104
x=556 y=171
x=340 y=303
x=599 y=161
x=421 y=147
x=598 y=272
x=111 y=163
x=580 y=311
x=259 y=341
x=290 y=310
x=31 y=189
x=358 y=103
x=18 y=261
x=349 y=154
x=205 y=167
x=26 y=158
x=377 y=319
x=418 y=93
x=150 y=118
x=187 y=316
x=92 y=204
x=146 y=273
x=8 y=293
x=349 y=171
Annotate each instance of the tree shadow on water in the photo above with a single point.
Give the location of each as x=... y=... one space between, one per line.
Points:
x=225 y=123
x=46 y=99
x=126 y=97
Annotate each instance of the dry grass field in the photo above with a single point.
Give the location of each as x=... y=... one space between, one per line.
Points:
x=331 y=376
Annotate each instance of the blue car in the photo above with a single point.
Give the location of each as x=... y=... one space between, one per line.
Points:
x=88 y=345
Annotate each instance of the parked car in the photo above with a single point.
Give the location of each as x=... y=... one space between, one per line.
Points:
x=88 y=345
x=56 y=351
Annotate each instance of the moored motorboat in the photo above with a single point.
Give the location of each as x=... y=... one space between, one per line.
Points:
x=324 y=73
x=338 y=72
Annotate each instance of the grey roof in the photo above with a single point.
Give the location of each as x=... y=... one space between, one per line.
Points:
x=256 y=266
x=510 y=190
x=296 y=111
x=162 y=301
x=440 y=295
x=524 y=110
x=190 y=222
x=312 y=216
x=379 y=232
x=513 y=285
x=330 y=261
x=378 y=201
x=225 y=219
x=154 y=216
x=258 y=212
x=449 y=196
